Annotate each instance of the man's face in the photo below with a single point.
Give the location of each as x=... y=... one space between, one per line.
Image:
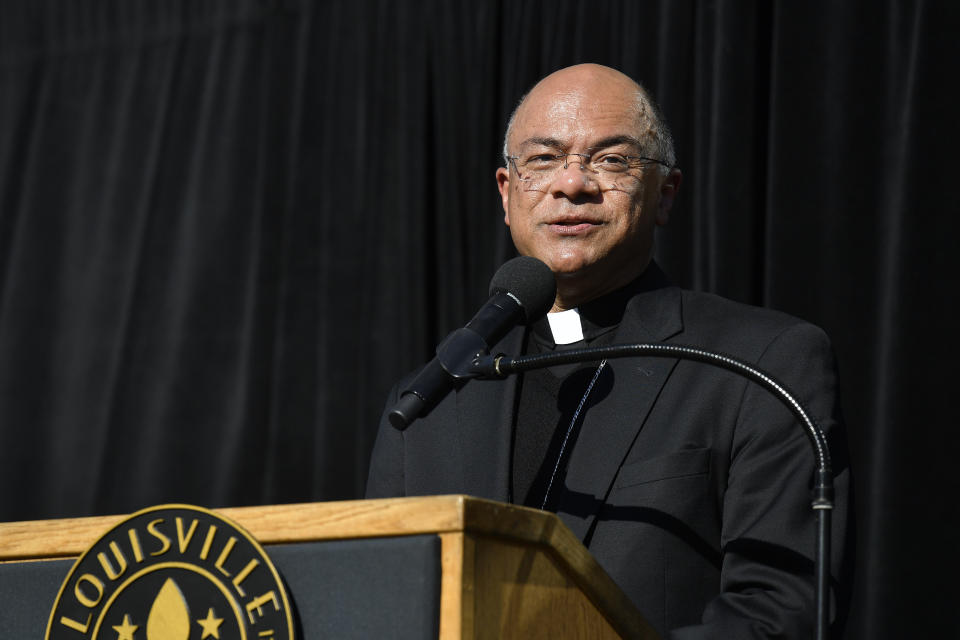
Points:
x=595 y=233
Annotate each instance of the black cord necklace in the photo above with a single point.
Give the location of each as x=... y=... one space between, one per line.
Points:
x=573 y=421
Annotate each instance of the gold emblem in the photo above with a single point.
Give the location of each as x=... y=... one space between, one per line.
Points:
x=173 y=572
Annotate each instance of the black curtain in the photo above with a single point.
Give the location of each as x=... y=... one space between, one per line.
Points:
x=226 y=227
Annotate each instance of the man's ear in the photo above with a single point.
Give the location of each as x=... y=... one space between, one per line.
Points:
x=503 y=185
x=668 y=193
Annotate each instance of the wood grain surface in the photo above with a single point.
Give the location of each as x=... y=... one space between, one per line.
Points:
x=485 y=545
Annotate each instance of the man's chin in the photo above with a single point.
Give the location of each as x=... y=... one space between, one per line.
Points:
x=568 y=266
x=581 y=270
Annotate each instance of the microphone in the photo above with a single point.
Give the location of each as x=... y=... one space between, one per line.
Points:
x=521 y=291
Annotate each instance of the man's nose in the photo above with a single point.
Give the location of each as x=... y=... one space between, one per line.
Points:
x=575 y=179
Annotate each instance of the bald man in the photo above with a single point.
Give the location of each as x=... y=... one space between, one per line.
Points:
x=688 y=484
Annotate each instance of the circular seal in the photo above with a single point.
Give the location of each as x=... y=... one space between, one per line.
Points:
x=172 y=572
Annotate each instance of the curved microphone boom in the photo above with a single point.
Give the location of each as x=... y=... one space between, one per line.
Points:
x=501 y=366
x=521 y=291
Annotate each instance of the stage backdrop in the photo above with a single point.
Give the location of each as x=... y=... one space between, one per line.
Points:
x=227 y=226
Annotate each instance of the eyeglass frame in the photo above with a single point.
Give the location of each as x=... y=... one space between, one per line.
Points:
x=586 y=161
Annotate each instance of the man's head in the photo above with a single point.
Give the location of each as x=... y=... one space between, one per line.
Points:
x=589 y=217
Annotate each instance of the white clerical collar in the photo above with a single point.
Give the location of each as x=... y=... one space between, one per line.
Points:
x=565 y=326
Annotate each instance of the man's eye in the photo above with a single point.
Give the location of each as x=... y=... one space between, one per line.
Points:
x=541 y=160
x=612 y=161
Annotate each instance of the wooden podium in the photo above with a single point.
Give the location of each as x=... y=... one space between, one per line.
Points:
x=476 y=569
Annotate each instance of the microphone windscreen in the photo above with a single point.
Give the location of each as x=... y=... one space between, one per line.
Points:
x=530 y=281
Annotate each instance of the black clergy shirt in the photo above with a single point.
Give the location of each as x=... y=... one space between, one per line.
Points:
x=548 y=398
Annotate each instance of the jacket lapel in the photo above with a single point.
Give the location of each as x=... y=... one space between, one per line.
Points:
x=485 y=411
x=611 y=426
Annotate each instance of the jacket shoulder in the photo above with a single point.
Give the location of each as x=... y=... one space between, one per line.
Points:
x=742 y=328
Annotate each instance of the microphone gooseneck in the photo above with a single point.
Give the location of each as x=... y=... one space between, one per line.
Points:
x=822 y=504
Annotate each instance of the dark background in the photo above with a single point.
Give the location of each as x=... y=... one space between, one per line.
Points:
x=227 y=227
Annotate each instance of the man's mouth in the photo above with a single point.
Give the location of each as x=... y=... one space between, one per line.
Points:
x=572 y=226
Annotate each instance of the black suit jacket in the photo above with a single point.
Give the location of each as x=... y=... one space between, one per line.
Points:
x=689 y=484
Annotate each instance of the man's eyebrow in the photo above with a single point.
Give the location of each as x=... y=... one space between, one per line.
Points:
x=610 y=141
x=543 y=141
x=613 y=141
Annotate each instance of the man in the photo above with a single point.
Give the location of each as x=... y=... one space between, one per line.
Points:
x=688 y=484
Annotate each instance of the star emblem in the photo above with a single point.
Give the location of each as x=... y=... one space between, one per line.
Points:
x=125 y=630
x=211 y=626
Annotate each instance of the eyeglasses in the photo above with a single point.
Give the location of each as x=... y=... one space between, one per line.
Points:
x=610 y=169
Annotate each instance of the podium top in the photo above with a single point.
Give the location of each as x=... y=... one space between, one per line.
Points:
x=286 y=523
x=352 y=519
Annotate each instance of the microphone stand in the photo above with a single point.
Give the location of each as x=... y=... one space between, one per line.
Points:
x=501 y=366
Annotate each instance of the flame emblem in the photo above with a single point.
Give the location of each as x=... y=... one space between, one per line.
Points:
x=169 y=617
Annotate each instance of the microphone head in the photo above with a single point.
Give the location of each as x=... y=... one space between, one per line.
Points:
x=530 y=281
